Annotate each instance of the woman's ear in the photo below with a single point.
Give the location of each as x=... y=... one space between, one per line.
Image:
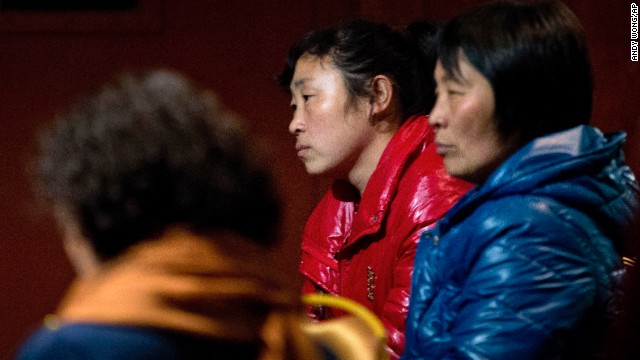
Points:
x=79 y=250
x=382 y=95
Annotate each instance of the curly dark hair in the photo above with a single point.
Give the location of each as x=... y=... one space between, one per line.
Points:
x=144 y=153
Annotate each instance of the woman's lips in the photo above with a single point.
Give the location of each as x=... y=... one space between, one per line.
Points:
x=443 y=149
x=301 y=150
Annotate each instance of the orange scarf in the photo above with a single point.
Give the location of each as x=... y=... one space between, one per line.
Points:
x=222 y=288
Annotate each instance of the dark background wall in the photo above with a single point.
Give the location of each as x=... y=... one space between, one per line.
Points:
x=47 y=59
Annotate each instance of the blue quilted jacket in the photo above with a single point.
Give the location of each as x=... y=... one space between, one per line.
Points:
x=526 y=266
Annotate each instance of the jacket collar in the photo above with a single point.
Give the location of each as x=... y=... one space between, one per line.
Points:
x=382 y=187
x=553 y=159
x=216 y=288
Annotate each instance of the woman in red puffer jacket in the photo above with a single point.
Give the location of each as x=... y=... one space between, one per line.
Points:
x=359 y=93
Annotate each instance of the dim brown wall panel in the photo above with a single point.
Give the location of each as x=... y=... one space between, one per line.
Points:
x=234 y=48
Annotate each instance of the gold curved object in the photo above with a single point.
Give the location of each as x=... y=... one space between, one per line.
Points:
x=360 y=336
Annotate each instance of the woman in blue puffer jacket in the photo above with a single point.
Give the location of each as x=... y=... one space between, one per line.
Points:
x=528 y=263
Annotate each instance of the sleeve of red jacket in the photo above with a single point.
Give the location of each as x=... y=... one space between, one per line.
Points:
x=439 y=192
x=396 y=306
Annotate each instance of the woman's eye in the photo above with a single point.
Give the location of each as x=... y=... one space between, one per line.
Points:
x=448 y=92
x=306 y=97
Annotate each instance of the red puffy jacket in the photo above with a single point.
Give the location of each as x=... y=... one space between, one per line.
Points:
x=363 y=248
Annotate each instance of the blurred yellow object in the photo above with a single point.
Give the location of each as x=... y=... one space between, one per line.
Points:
x=358 y=336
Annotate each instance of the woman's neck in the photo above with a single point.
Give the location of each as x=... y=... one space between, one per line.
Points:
x=370 y=156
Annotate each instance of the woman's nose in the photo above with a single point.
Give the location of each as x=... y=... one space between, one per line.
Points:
x=296 y=125
x=436 y=116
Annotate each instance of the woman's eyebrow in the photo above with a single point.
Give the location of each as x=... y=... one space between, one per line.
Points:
x=298 y=82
